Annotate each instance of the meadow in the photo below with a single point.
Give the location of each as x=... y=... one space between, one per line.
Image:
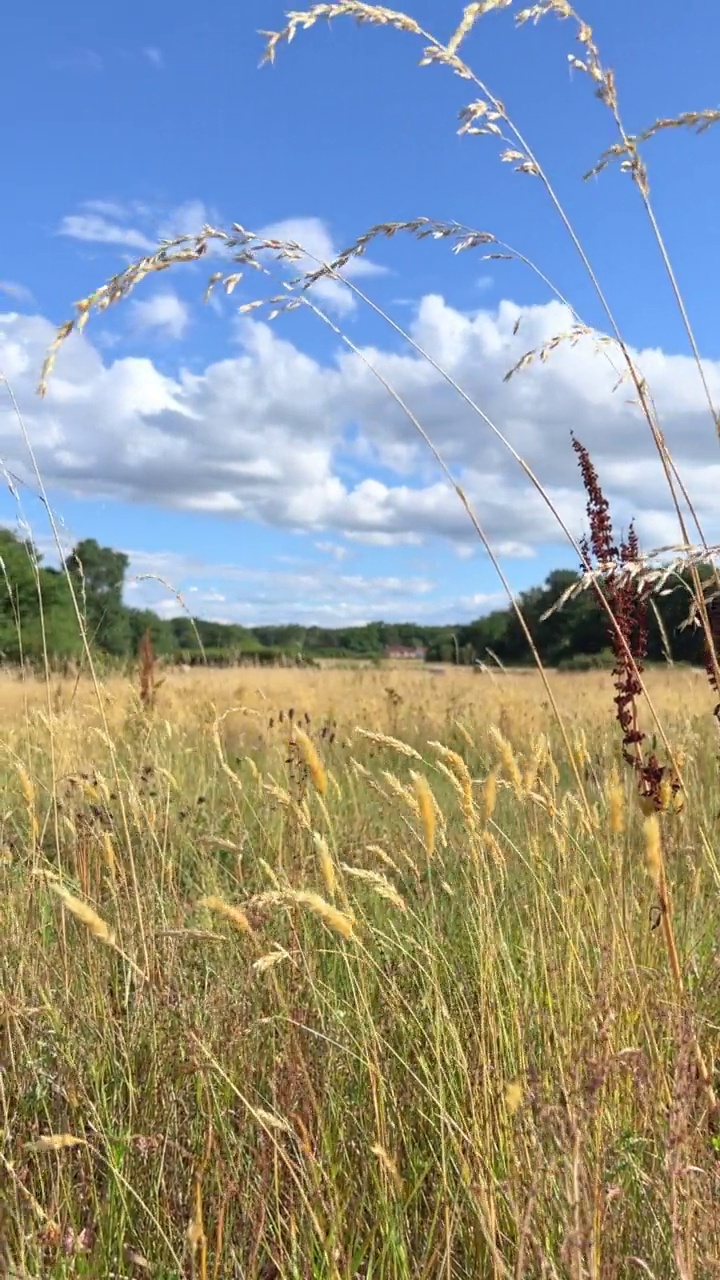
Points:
x=356 y=973
x=380 y=973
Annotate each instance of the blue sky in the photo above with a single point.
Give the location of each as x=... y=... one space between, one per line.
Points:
x=262 y=469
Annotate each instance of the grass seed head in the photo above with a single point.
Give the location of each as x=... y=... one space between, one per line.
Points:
x=653 y=850
x=234 y=914
x=509 y=761
x=314 y=764
x=336 y=920
x=489 y=794
x=93 y=922
x=55 y=1142
x=426 y=807
x=616 y=804
x=327 y=866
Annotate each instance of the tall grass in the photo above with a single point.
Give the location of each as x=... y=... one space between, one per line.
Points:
x=434 y=993
x=417 y=1023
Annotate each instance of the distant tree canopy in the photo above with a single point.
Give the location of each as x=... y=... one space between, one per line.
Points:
x=577 y=634
x=38 y=620
x=98 y=575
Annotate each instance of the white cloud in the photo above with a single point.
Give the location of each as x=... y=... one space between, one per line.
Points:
x=382 y=538
x=234 y=593
x=107 y=208
x=17 y=292
x=163 y=312
x=483 y=602
x=264 y=435
x=334 y=549
x=133 y=225
x=464 y=550
x=185 y=220
x=313 y=235
x=154 y=56
x=137 y=226
x=94 y=228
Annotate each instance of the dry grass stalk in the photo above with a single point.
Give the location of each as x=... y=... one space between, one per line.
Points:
x=616 y=804
x=403 y=792
x=195 y=1234
x=656 y=869
x=28 y=790
x=55 y=1142
x=378 y=882
x=147 y=670
x=463 y=779
x=389 y=1167
x=340 y=922
x=271 y=960
x=271 y=1121
x=385 y=740
x=286 y=801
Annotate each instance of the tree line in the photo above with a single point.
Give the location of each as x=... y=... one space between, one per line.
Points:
x=39 y=621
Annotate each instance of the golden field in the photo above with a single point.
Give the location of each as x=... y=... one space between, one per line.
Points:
x=356 y=973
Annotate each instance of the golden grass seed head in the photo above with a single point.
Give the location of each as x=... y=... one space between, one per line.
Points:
x=489 y=794
x=514 y=1094
x=27 y=786
x=653 y=850
x=616 y=804
x=310 y=755
x=338 y=921
x=273 y=958
x=55 y=1142
x=378 y=882
x=426 y=808
x=380 y=853
x=463 y=780
x=83 y=912
x=508 y=760
x=325 y=861
x=384 y=740
x=388 y=1165
x=212 y=902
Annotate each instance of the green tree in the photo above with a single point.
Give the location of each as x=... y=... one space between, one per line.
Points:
x=36 y=609
x=99 y=576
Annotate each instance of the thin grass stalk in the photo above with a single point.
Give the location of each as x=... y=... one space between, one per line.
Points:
x=91 y=667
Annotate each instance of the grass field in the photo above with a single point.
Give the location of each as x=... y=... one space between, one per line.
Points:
x=378 y=974
x=355 y=974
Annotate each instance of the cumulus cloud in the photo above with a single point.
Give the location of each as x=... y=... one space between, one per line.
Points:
x=334 y=549
x=133 y=225
x=252 y=596
x=185 y=219
x=270 y=434
x=313 y=235
x=163 y=312
x=137 y=226
x=95 y=228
